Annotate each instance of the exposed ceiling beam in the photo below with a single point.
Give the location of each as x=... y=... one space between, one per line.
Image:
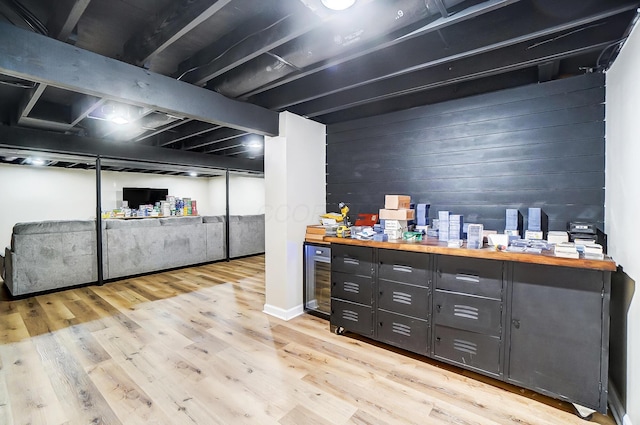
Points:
x=490 y=63
x=65 y=15
x=29 y=100
x=475 y=37
x=44 y=60
x=188 y=131
x=167 y=127
x=24 y=138
x=173 y=23
x=279 y=33
x=221 y=135
x=548 y=71
x=464 y=15
x=82 y=108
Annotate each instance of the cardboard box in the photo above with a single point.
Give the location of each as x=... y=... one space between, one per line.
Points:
x=397 y=202
x=401 y=214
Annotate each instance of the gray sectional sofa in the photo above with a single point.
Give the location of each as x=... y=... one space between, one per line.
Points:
x=57 y=254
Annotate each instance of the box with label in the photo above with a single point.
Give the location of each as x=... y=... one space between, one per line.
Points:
x=395 y=224
x=402 y=214
x=397 y=202
x=393 y=234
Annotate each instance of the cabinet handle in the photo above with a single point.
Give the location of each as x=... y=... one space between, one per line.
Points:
x=380 y=324
x=438 y=340
x=516 y=323
x=401 y=268
x=438 y=308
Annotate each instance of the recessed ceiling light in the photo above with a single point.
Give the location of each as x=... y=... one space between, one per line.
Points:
x=119 y=120
x=338 y=4
x=37 y=161
x=193 y=174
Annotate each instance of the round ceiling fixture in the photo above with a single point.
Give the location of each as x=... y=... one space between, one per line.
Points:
x=338 y=4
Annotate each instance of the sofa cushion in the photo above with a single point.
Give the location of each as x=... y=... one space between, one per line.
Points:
x=213 y=219
x=54 y=226
x=180 y=221
x=133 y=223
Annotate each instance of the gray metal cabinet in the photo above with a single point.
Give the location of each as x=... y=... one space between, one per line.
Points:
x=468 y=313
x=559 y=333
x=542 y=327
x=352 y=300
x=403 y=299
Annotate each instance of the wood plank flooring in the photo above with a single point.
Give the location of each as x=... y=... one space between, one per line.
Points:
x=192 y=346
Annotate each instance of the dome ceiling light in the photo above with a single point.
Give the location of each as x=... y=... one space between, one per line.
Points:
x=338 y=4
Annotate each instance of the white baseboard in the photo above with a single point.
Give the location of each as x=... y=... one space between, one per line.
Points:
x=617 y=409
x=283 y=314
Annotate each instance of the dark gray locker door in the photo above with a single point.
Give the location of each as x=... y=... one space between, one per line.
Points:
x=349 y=287
x=470 y=276
x=468 y=349
x=472 y=313
x=352 y=259
x=409 y=300
x=402 y=331
x=353 y=317
x=556 y=332
x=403 y=266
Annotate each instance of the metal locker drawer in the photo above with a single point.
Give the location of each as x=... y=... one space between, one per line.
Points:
x=409 y=300
x=467 y=312
x=353 y=317
x=358 y=289
x=404 y=332
x=352 y=259
x=468 y=349
x=402 y=266
x=470 y=276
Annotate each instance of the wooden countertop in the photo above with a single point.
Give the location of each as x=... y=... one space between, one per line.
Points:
x=433 y=246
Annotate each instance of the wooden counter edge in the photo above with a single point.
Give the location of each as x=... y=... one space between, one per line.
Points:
x=435 y=247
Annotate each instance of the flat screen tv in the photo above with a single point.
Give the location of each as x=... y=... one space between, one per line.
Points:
x=137 y=196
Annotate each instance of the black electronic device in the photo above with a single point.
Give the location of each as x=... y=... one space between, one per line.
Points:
x=136 y=196
x=583 y=227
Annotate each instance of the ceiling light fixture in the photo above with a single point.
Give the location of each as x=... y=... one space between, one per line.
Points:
x=338 y=4
x=118 y=119
x=193 y=174
x=37 y=161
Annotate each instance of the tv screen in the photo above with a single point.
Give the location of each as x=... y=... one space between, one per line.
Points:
x=137 y=196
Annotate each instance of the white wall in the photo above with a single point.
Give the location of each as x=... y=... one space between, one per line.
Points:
x=295 y=197
x=246 y=195
x=32 y=193
x=622 y=197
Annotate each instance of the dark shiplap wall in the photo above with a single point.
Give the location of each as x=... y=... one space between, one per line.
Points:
x=533 y=146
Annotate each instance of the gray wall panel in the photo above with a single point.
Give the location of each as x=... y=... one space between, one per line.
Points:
x=539 y=145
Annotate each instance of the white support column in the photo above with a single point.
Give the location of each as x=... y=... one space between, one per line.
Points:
x=295 y=196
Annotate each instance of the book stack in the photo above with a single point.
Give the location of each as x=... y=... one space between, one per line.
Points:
x=593 y=251
x=443 y=225
x=475 y=236
x=456 y=226
x=566 y=250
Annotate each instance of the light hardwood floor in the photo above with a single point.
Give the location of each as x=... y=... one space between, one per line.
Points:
x=192 y=346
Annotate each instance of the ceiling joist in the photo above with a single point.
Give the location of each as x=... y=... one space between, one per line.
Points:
x=40 y=59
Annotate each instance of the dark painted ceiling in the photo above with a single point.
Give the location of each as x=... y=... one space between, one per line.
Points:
x=295 y=55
